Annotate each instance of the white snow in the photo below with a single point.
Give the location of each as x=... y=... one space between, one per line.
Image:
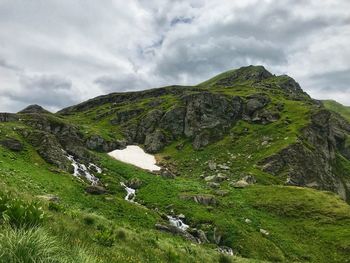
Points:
x=135 y=155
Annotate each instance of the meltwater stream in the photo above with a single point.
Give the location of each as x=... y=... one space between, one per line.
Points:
x=81 y=171
x=177 y=222
x=130 y=193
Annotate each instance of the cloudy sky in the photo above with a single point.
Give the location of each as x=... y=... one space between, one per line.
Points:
x=59 y=52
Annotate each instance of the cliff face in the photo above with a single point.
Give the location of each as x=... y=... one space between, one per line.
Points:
x=314 y=160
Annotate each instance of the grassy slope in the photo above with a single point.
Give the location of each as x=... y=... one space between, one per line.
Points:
x=28 y=176
x=304 y=224
x=242 y=149
x=337 y=107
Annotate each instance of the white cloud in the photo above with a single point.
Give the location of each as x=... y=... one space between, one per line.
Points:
x=74 y=50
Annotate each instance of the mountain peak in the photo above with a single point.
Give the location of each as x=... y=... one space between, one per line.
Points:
x=34 y=108
x=249 y=73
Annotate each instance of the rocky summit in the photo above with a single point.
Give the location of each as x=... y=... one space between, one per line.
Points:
x=252 y=169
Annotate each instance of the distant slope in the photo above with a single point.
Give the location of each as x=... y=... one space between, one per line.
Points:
x=337 y=107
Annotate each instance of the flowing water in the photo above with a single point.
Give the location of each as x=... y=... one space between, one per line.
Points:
x=81 y=171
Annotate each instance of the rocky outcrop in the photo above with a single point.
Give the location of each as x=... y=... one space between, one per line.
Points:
x=250 y=73
x=312 y=161
x=12 y=144
x=97 y=143
x=176 y=231
x=48 y=148
x=95 y=190
x=6 y=117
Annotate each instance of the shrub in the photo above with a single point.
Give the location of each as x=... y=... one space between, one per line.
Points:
x=54 y=207
x=121 y=234
x=37 y=246
x=224 y=259
x=89 y=220
x=105 y=237
x=18 y=214
x=30 y=246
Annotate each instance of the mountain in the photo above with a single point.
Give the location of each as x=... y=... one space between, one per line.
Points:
x=337 y=107
x=251 y=163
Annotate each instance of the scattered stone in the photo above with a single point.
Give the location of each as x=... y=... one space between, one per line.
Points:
x=247 y=220
x=12 y=144
x=212 y=165
x=205 y=199
x=213 y=185
x=223 y=167
x=176 y=231
x=95 y=190
x=240 y=184
x=50 y=198
x=216 y=178
x=250 y=179
x=221 y=192
x=264 y=232
x=167 y=174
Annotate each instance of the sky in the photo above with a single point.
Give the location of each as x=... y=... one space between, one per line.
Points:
x=61 y=52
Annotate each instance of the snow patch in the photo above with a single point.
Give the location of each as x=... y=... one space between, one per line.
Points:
x=135 y=155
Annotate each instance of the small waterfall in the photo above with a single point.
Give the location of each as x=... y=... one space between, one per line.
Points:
x=130 y=193
x=81 y=171
x=225 y=250
x=177 y=222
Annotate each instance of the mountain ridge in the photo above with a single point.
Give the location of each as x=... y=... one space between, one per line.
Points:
x=253 y=166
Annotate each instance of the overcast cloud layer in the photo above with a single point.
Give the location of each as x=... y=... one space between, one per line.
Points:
x=60 y=52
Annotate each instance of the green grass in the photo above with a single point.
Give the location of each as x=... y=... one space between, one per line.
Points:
x=337 y=107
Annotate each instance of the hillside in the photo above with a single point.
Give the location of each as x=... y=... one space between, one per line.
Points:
x=337 y=107
x=251 y=163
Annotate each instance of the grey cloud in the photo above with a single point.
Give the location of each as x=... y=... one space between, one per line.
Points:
x=50 y=91
x=60 y=52
x=338 y=80
x=126 y=82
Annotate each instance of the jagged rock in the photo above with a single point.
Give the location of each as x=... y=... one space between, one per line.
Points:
x=95 y=190
x=155 y=141
x=212 y=165
x=208 y=111
x=176 y=231
x=240 y=184
x=173 y=121
x=97 y=143
x=250 y=179
x=312 y=166
x=199 y=235
x=205 y=199
x=167 y=174
x=6 y=117
x=216 y=178
x=12 y=144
